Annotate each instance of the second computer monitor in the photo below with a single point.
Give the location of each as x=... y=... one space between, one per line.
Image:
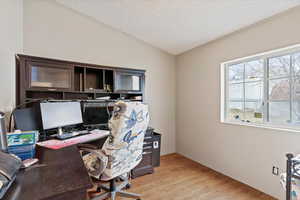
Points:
x=96 y=114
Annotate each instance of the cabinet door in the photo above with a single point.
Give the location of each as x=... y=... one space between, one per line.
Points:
x=49 y=76
x=129 y=81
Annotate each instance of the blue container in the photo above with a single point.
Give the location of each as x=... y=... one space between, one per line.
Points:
x=24 y=152
x=22 y=144
x=21 y=149
x=24 y=156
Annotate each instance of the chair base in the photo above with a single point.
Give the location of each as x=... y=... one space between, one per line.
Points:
x=113 y=191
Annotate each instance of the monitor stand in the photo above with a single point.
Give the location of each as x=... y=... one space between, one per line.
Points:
x=60 y=132
x=62 y=135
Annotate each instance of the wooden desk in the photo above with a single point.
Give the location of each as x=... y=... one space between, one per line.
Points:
x=62 y=176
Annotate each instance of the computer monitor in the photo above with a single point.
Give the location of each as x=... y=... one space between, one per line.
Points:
x=27 y=119
x=96 y=113
x=60 y=114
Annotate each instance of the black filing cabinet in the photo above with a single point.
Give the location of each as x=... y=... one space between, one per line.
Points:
x=151 y=154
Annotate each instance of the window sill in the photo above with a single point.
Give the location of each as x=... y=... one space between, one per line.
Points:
x=264 y=126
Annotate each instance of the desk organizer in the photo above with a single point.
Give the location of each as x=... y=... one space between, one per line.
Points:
x=22 y=144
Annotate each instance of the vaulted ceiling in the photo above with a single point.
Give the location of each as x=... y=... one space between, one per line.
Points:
x=179 y=25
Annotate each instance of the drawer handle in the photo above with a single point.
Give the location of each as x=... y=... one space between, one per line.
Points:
x=145 y=143
x=147 y=152
x=148 y=138
x=149 y=147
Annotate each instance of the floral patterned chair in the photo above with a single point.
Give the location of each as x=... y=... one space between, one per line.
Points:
x=121 y=152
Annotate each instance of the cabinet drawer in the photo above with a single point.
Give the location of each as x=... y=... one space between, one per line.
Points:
x=147 y=138
x=144 y=167
x=145 y=152
x=147 y=159
x=147 y=145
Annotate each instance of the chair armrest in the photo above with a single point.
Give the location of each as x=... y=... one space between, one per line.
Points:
x=116 y=147
x=95 y=161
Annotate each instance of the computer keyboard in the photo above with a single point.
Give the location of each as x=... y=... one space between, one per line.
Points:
x=72 y=134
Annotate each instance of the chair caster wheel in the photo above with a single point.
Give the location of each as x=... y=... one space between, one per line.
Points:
x=128 y=186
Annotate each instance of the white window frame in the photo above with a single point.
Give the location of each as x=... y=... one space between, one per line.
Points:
x=224 y=90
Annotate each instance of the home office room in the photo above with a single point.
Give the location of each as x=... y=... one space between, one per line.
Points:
x=149 y=100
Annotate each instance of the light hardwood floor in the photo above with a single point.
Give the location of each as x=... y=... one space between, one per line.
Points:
x=179 y=178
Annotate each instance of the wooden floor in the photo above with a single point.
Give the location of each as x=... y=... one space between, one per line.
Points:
x=179 y=178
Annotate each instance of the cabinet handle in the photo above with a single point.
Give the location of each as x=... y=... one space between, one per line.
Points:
x=146 y=153
x=145 y=143
x=149 y=147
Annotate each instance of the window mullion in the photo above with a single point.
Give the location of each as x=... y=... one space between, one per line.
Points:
x=266 y=92
x=244 y=93
x=291 y=87
x=225 y=114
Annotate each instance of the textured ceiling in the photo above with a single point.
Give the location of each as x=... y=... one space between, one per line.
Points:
x=179 y=25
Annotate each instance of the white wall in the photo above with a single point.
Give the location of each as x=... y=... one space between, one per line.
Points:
x=247 y=154
x=11 y=14
x=51 y=30
x=244 y=153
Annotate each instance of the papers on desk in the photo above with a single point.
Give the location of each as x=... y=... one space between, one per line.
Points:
x=58 y=144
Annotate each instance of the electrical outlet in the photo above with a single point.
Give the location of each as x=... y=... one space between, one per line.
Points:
x=275 y=171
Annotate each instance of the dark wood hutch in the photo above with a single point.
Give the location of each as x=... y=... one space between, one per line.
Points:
x=51 y=79
x=38 y=78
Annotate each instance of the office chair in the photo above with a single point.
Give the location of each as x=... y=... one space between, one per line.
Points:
x=122 y=151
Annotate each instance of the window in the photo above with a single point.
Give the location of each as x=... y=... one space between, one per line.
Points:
x=245 y=91
x=263 y=89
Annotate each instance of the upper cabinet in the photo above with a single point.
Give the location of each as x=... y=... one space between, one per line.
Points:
x=128 y=81
x=45 y=78
x=49 y=76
